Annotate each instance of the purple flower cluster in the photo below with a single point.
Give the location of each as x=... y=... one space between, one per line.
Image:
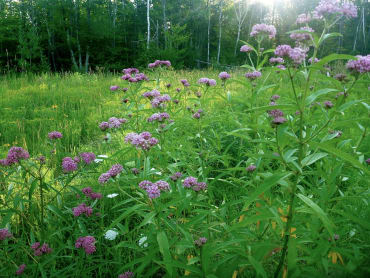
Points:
x=301 y=37
x=278 y=116
x=151 y=94
x=160 y=101
x=253 y=75
x=274 y=97
x=185 y=82
x=176 y=176
x=142 y=141
x=368 y=161
x=69 y=165
x=127 y=274
x=113 y=122
x=4 y=233
x=55 y=135
x=245 y=48
x=297 y=55
x=207 y=81
x=158 y=117
x=263 y=29
x=159 y=63
x=114 y=171
x=39 y=250
x=314 y=60
x=82 y=208
x=198 y=114
x=276 y=60
x=133 y=75
x=303 y=18
x=191 y=182
x=361 y=65
x=15 y=154
x=88 y=157
x=224 y=76
x=87 y=243
x=328 y=7
x=328 y=104
x=87 y=191
x=20 y=269
x=154 y=189
x=200 y=241
x=251 y=168
x=114 y=88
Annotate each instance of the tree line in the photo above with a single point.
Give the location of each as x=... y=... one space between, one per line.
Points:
x=107 y=35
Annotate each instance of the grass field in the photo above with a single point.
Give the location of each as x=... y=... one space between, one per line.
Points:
x=242 y=213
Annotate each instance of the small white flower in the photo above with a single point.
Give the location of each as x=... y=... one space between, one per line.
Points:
x=98 y=160
x=103 y=156
x=142 y=242
x=111 y=234
x=113 y=195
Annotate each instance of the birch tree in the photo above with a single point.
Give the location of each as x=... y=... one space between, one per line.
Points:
x=219 y=30
x=148 y=23
x=241 y=10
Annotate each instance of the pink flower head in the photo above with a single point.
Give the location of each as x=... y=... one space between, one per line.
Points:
x=245 y=48
x=55 y=135
x=39 y=250
x=361 y=65
x=224 y=76
x=253 y=75
x=4 y=233
x=277 y=60
x=114 y=88
x=251 y=168
x=88 y=157
x=200 y=241
x=263 y=30
x=144 y=184
x=162 y=185
x=303 y=18
x=349 y=9
x=152 y=94
x=87 y=243
x=20 y=269
x=176 y=176
x=185 y=83
x=127 y=274
x=153 y=191
x=104 y=178
x=82 y=209
x=15 y=154
x=142 y=141
x=115 y=170
x=302 y=37
x=69 y=165
x=191 y=182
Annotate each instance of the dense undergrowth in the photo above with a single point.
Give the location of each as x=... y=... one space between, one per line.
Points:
x=250 y=177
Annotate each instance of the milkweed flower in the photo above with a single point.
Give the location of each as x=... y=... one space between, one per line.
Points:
x=368 y=161
x=55 y=135
x=158 y=117
x=176 y=176
x=200 y=241
x=127 y=274
x=207 y=81
x=143 y=141
x=153 y=191
x=314 y=60
x=251 y=168
x=303 y=18
x=361 y=65
x=40 y=250
x=297 y=55
x=151 y=94
x=276 y=113
x=87 y=191
x=69 y=165
x=88 y=157
x=87 y=243
x=15 y=154
x=111 y=234
x=162 y=185
x=20 y=269
x=4 y=233
x=82 y=209
x=245 y=48
x=224 y=76
x=278 y=121
x=328 y=104
x=115 y=170
x=185 y=83
x=159 y=63
x=253 y=75
x=263 y=30
x=277 y=60
x=274 y=97
x=144 y=184
x=114 y=88
x=160 y=101
x=191 y=182
x=104 y=178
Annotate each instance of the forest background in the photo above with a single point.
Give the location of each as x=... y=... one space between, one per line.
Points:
x=108 y=35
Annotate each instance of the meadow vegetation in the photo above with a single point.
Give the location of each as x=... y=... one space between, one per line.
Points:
x=261 y=171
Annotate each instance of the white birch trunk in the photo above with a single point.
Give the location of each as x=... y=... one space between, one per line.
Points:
x=209 y=27
x=219 y=32
x=148 y=22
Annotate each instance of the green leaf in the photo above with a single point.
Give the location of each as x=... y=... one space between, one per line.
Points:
x=257 y=266
x=57 y=211
x=319 y=212
x=339 y=153
x=332 y=57
x=269 y=107
x=164 y=248
x=312 y=158
x=264 y=88
x=125 y=214
x=266 y=185
x=361 y=221
x=311 y=98
x=330 y=35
